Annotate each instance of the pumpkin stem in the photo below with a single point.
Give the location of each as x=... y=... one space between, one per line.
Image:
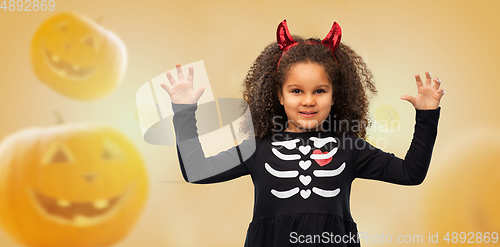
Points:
x=60 y=119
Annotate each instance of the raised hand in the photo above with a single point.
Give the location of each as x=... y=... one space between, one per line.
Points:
x=428 y=96
x=181 y=91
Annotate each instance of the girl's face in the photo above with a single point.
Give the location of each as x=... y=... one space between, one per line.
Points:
x=306 y=96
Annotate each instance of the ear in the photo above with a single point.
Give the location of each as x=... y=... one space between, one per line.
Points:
x=280 y=95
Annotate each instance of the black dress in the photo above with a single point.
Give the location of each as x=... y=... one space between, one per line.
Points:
x=302 y=181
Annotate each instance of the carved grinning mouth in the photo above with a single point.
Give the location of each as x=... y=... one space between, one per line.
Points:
x=66 y=69
x=77 y=213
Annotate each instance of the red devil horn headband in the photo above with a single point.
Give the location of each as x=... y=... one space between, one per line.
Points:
x=285 y=40
x=332 y=39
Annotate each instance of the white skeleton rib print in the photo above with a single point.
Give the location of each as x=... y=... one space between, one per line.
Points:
x=320 y=158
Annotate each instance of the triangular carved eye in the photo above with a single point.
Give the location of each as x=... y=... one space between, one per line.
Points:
x=90 y=41
x=63 y=27
x=57 y=153
x=60 y=157
x=106 y=155
x=111 y=151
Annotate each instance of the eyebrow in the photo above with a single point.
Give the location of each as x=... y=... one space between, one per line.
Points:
x=324 y=85
x=320 y=86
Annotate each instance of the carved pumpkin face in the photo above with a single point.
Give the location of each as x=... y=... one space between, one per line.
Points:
x=76 y=57
x=70 y=185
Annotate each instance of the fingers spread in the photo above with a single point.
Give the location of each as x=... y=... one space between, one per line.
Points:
x=437 y=83
x=409 y=98
x=428 y=78
x=440 y=93
x=180 y=76
x=191 y=74
x=419 y=81
x=200 y=92
x=166 y=87
x=170 y=78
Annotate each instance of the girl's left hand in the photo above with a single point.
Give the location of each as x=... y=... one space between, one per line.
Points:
x=428 y=96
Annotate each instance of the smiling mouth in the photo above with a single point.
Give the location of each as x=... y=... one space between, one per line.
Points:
x=65 y=69
x=77 y=213
x=307 y=113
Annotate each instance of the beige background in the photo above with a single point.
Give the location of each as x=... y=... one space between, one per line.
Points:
x=455 y=40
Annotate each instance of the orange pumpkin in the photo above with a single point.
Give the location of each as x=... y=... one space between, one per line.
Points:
x=70 y=185
x=77 y=57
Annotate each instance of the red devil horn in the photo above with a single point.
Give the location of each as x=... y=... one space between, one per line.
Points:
x=332 y=39
x=285 y=40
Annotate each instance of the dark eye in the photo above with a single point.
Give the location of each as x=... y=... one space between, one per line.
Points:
x=296 y=91
x=320 y=91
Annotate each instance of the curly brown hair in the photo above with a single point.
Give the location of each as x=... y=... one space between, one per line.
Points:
x=351 y=80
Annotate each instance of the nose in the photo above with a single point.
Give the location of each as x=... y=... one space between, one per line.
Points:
x=308 y=100
x=90 y=177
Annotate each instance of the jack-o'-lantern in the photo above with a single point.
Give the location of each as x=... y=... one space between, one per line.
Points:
x=74 y=185
x=77 y=57
x=462 y=197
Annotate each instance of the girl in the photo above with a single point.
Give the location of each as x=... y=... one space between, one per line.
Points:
x=309 y=107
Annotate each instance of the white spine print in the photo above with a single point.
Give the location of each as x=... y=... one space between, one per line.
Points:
x=305 y=164
x=305 y=149
x=304 y=179
x=305 y=193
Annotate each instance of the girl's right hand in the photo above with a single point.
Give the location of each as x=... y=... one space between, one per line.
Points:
x=181 y=91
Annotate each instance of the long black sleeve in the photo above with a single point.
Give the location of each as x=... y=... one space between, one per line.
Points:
x=195 y=167
x=373 y=163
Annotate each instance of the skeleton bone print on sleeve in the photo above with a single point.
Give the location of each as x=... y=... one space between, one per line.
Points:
x=322 y=159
